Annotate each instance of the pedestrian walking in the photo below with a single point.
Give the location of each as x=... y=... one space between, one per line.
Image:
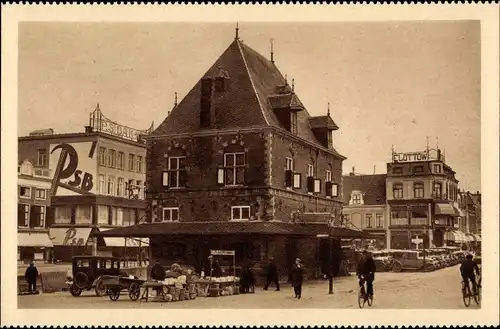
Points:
x=272 y=275
x=31 y=276
x=297 y=278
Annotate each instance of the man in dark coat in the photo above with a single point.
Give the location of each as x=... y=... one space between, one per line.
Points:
x=272 y=275
x=366 y=272
x=31 y=275
x=297 y=278
x=158 y=272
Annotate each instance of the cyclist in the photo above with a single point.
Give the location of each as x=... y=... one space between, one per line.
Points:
x=366 y=272
x=467 y=271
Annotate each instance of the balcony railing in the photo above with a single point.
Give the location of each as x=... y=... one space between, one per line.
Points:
x=418 y=221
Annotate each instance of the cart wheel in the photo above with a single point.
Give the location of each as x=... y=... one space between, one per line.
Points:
x=134 y=291
x=114 y=294
x=396 y=267
x=75 y=291
x=100 y=288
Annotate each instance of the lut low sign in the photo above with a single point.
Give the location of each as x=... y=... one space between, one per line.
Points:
x=410 y=157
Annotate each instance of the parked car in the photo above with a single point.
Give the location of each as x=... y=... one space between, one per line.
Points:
x=88 y=272
x=410 y=260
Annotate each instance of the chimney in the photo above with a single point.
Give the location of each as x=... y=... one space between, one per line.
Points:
x=206 y=100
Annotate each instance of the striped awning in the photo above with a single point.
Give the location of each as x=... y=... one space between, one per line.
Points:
x=456 y=236
x=446 y=209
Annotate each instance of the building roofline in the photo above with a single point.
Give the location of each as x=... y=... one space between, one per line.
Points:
x=212 y=132
x=80 y=135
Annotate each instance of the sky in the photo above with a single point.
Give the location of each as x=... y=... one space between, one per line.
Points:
x=388 y=83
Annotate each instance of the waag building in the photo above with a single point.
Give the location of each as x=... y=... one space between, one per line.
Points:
x=240 y=164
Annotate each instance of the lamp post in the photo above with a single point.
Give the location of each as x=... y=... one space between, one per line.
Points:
x=330 y=260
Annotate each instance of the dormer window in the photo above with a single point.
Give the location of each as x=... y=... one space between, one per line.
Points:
x=356 y=198
x=330 y=140
x=293 y=122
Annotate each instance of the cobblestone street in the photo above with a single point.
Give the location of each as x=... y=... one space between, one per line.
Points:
x=433 y=290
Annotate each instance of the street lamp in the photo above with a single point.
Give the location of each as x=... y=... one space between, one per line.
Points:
x=330 y=261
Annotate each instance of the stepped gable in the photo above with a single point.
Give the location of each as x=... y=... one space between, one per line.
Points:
x=248 y=101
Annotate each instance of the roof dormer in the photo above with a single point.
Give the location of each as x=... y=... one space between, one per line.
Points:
x=323 y=127
x=356 y=198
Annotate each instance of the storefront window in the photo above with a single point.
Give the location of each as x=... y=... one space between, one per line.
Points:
x=83 y=215
x=62 y=215
x=102 y=215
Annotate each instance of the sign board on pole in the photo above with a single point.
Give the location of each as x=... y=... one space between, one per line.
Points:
x=222 y=252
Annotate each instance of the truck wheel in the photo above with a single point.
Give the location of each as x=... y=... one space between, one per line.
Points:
x=100 y=288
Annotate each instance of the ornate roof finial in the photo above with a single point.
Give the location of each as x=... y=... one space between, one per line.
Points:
x=272 y=51
x=328 y=109
x=286 y=78
x=237 y=30
x=437 y=142
x=293 y=85
x=175 y=99
x=427 y=143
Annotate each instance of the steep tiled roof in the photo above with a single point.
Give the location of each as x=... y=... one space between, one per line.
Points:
x=372 y=185
x=247 y=101
x=324 y=121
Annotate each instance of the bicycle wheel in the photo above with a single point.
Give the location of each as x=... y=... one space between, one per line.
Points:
x=361 y=297
x=466 y=295
x=477 y=296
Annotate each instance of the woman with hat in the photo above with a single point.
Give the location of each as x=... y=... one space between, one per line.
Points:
x=297 y=278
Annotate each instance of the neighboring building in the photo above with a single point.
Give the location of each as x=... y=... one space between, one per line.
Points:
x=470 y=206
x=365 y=205
x=236 y=165
x=422 y=196
x=33 y=201
x=97 y=181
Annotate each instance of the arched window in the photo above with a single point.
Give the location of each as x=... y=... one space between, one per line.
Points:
x=418 y=190
x=397 y=190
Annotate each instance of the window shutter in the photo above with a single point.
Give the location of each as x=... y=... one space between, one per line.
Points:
x=335 y=190
x=310 y=184
x=220 y=176
x=317 y=186
x=297 y=180
x=328 y=188
x=20 y=215
x=32 y=221
x=165 y=178
x=182 y=178
x=288 y=178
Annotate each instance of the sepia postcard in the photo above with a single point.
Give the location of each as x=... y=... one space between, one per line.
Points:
x=250 y=165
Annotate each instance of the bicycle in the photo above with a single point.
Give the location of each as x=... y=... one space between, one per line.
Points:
x=363 y=297
x=467 y=295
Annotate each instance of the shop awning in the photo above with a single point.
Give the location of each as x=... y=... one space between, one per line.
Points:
x=230 y=228
x=457 y=236
x=69 y=236
x=446 y=209
x=33 y=239
x=124 y=241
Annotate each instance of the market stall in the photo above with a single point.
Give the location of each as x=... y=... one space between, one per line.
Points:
x=177 y=286
x=217 y=285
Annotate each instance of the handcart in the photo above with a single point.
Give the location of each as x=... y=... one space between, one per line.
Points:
x=115 y=285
